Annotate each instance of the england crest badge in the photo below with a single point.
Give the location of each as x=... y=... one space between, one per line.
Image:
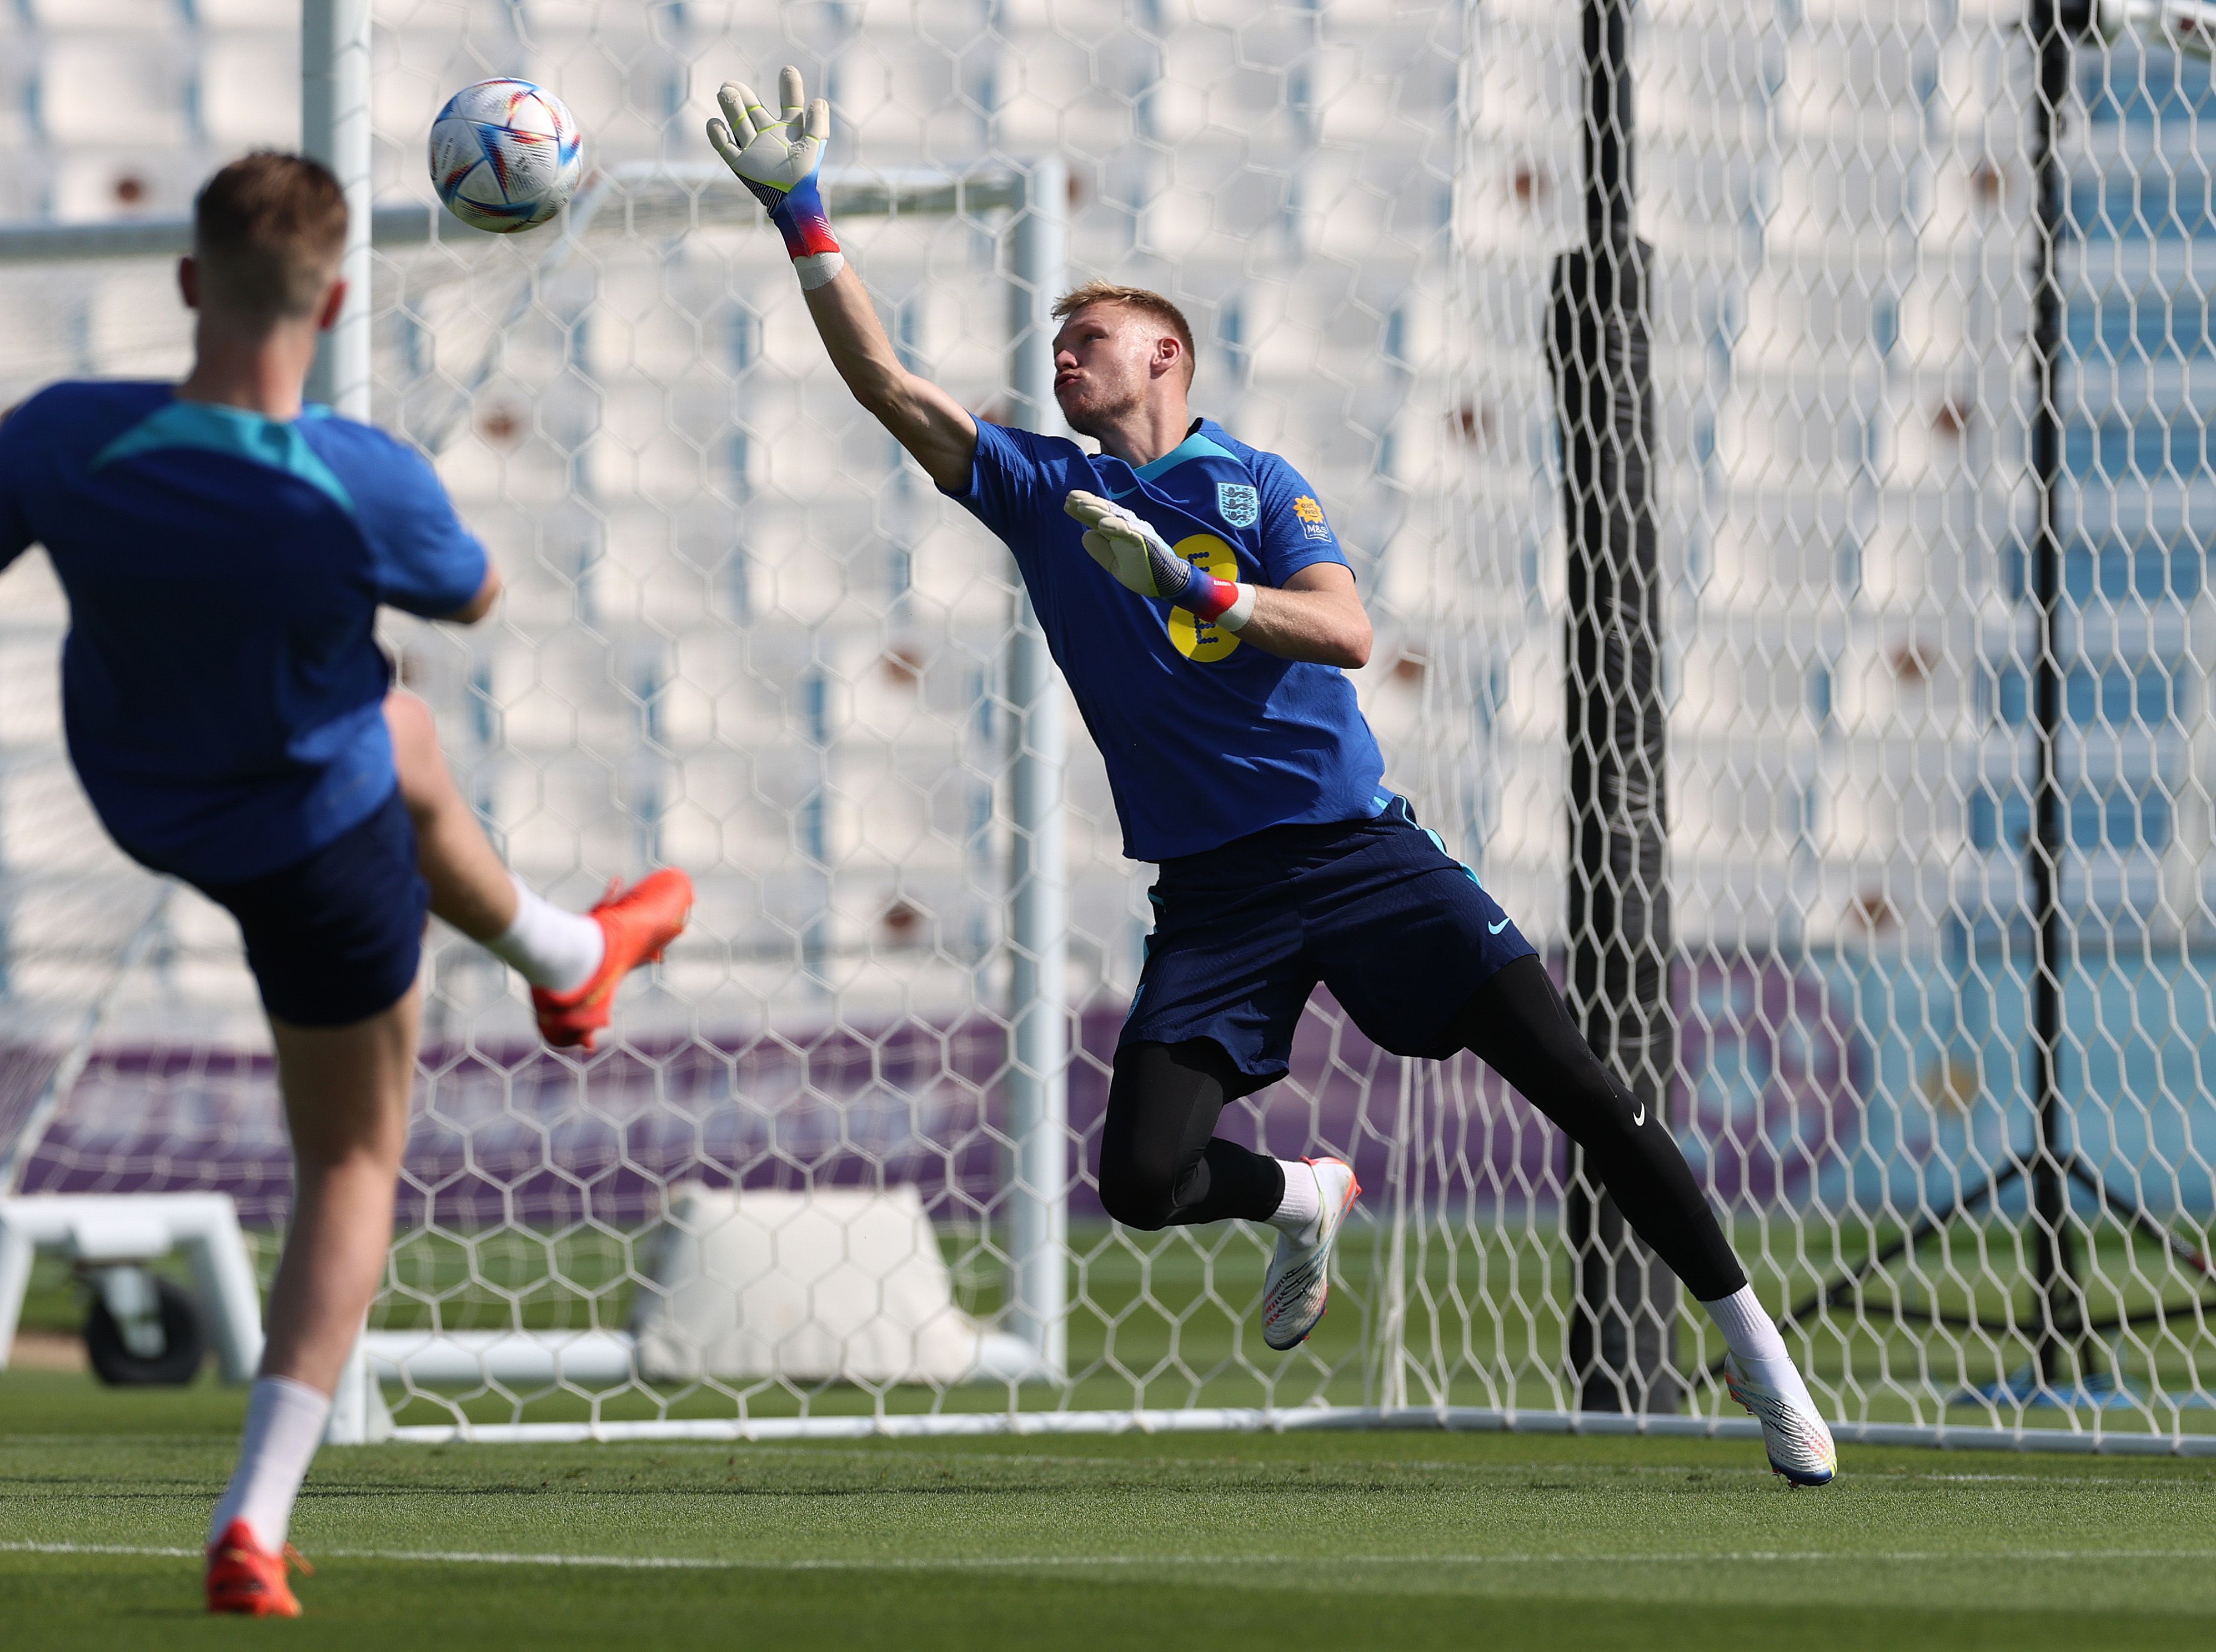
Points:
x=1238 y=504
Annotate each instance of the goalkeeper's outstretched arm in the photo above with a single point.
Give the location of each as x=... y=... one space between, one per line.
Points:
x=777 y=157
x=1316 y=615
x=922 y=418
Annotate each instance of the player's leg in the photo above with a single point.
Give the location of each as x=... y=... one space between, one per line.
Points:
x=1517 y=1024
x=1427 y=964
x=573 y=960
x=1163 y=1165
x=470 y=887
x=336 y=945
x=346 y=1092
x=1222 y=989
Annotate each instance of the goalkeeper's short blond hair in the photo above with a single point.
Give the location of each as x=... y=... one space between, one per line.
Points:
x=1145 y=300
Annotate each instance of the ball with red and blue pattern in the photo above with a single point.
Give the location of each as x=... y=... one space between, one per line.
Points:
x=506 y=154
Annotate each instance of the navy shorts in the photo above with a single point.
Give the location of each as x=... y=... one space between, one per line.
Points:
x=338 y=936
x=1376 y=910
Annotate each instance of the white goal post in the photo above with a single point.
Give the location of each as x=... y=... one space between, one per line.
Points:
x=675 y=199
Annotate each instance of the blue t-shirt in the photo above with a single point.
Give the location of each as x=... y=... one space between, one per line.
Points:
x=1206 y=738
x=221 y=686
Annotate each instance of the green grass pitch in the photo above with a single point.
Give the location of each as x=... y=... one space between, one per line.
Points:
x=1407 y=1540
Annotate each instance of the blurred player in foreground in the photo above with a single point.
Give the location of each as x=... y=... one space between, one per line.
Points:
x=1198 y=601
x=224 y=550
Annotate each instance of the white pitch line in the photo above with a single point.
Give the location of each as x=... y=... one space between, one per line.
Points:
x=1020 y=1563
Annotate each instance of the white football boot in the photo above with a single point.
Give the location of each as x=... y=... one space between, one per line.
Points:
x=1798 y=1444
x=1298 y=1284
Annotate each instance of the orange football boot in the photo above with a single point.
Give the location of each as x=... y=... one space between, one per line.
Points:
x=245 y=1578
x=636 y=925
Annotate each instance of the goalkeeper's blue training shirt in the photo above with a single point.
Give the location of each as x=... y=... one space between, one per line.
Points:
x=1206 y=738
x=221 y=687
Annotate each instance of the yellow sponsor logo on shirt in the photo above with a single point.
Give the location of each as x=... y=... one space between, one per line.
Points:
x=1306 y=509
x=1196 y=641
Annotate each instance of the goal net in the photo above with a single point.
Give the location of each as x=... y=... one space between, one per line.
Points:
x=835 y=1167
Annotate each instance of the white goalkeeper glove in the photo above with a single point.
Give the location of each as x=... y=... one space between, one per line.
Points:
x=778 y=157
x=1143 y=561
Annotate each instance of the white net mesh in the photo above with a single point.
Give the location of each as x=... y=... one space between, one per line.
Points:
x=1842 y=206
x=744 y=636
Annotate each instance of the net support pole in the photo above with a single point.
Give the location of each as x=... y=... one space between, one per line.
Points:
x=1623 y=1323
x=1038 y=1096
x=2061 y=1314
x=335 y=130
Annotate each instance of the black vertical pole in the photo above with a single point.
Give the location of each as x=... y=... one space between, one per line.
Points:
x=2053 y=1246
x=1620 y=1352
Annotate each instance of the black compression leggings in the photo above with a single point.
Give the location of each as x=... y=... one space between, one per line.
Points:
x=1518 y=1024
x=1162 y=1165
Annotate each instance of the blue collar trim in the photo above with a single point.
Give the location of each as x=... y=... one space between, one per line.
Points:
x=1195 y=446
x=234 y=431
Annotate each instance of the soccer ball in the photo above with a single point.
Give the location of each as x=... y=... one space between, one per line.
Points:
x=506 y=154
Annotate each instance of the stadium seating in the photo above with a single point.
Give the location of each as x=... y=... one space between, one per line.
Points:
x=682 y=673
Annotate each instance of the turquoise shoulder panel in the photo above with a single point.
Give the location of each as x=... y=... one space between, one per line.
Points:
x=234 y=431
x=1195 y=446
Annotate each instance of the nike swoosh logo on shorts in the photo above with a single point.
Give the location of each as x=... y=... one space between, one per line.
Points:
x=1640 y=1117
x=1495 y=928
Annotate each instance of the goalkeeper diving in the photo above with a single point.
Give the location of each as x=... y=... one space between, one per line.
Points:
x=224 y=550
x=1194 y=595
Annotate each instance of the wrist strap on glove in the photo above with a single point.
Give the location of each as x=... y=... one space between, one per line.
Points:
x=1224 y=603
x=800 y=219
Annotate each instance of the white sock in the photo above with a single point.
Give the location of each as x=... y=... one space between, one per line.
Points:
x=1301 y=1208
x=284 y=1425
x=547 y=946
x=1751 y=1335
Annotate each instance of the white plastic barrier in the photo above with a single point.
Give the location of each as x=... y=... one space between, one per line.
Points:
x=835 y=1284
x=139 y=1227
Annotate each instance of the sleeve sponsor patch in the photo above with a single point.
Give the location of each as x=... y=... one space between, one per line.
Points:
x=1311 y=516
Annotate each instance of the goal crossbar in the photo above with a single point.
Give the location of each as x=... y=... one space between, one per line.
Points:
x=657 y=197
